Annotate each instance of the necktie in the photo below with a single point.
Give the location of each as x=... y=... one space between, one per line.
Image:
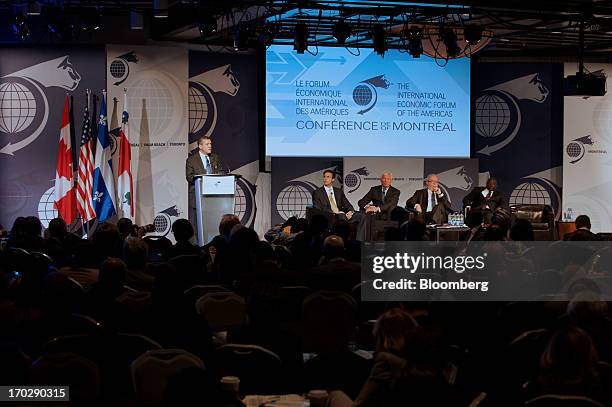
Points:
x=332 y=202
x=489 y=195
x=384 y=193
x=208 y=167
x=433 y=200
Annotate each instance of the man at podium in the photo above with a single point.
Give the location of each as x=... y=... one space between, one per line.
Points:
x=203 y=161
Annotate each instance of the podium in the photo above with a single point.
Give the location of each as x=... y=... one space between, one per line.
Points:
x=214 y=197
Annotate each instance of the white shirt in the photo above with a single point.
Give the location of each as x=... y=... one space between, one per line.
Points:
x=204 y=159
x=485 y=192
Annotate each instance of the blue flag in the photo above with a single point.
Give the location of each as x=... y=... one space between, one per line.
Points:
x=103 y=181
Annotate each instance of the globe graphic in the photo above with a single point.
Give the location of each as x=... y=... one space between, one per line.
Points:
x=161 y=223
x=530 y=193
x=492 y=115
x=198 y=110
x=573 y=149
x=17 y=107
x=158 y=104
x=351 y=180
x=362 y=95
x=292 y=201
x=46 y=209
x=240 y=203
x=117 y=68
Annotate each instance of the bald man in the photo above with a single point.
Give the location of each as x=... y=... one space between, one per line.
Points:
x=430 y=201
x=380 y=199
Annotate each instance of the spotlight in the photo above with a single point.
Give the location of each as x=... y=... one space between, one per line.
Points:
x=300 y=43
x=472 y=34
x=20 y=27
x=207 y=26
x=449 y=38
x=341 y=31
x=241 y=38
x=136 y=20
x=379 y=39
x=415 y=41
x=90 y=20
x=160 y=8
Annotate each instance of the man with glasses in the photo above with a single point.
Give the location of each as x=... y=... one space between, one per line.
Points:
x=430 y=201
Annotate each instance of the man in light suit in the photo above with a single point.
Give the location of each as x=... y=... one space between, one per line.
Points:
x=328 y=198
x=203 y=161
x=430 y=201
x=381 y=199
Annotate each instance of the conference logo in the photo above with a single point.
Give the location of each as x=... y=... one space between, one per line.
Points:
x=24 y=105
x=164 y=219
x=203 y=112
x=293 y=199
x=455 y=178
x=353 y=179
x=120 y=67
x=578 y=147
x=498 y=116
x=46 y=206
x=365 y=94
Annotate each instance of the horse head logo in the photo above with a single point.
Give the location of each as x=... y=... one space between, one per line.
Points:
x=220 y=79
x=56 y=72
x=528 y=87
x=456 y=178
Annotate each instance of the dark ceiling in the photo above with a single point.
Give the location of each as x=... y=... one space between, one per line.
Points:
x=519 y=27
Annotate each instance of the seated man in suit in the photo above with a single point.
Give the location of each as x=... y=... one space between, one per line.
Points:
x=485 y=199
x=381 y=199
x=583 y=231
x=430 y=201
x=329 y=198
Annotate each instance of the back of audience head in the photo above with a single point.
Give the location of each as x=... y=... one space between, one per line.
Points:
x=393 y=330
x=182 y=230
x=135 y=253
x=569 y=360
x=583 y=221
x=125 y=226
x=107 y=240
x=57 y=228
x=227 y=223
x=333 y=247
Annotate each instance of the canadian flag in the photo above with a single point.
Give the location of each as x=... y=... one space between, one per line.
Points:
x=65 y=197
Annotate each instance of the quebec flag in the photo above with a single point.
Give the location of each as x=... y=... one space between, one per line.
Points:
x=103 y=184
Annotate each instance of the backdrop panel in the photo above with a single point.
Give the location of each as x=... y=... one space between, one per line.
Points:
x=294 y=180
x=517 y=123
x=33 y=86
x=156 y=82
x=223 y=105
x=587 y=162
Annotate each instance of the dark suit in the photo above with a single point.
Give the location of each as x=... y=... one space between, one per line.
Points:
x=193 y=167
x=582 y=235
x=439 y=213
x=476 y=199
x=375 y=196
x=320 y=200
x=478 y=202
